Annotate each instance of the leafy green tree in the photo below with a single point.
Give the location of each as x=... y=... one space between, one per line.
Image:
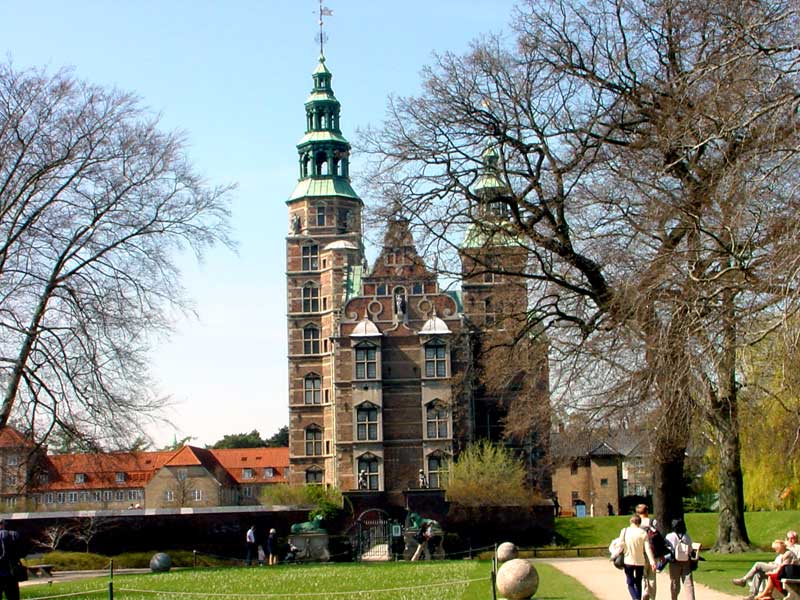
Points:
x=770 y=424
x=279 y=439
x=486 y=474
x=241 y=440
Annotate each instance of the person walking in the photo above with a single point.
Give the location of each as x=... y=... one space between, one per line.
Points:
x=422 y=537
x=637 y=554
x=680 y=569
x=649 y=576
x=10 y=553
x=250 y=544
x=272 y=547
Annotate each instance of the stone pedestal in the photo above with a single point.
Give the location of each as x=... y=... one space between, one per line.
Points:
x=311 y=546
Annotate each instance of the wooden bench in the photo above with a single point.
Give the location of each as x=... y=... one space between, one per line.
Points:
x=40 y=570
x=792 y=587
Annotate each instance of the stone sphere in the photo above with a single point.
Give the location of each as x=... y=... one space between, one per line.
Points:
x=506 y=551
x=160 y=563
x=517 y=579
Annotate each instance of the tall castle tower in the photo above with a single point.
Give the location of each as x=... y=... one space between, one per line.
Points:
x=389 y=376
x=323 y=250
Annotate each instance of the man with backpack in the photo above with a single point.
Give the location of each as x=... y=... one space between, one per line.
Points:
x=659 y=548
x=10 y=553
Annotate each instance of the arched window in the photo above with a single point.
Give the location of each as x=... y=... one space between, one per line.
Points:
x=436 y=420
x=368 y=471
x=367 y=422
x=314 y=476
x=437 y=470
x=313 y=441
x=312 y=384
x=435 y=359
x=366 y=362
x=310 y=340
x=310 y=258
x=310 y=298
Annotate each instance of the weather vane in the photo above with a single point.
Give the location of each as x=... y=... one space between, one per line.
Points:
x=324 y=11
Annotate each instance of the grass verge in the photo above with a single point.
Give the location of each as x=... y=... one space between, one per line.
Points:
x=436 y=580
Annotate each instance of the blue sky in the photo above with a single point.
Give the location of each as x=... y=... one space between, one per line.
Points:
x=233 y=76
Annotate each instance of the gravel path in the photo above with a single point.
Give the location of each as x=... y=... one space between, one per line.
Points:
x=600 y=577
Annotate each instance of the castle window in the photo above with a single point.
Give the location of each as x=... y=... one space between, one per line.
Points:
x=310 y=258
x=310 y=340
x=314 y=476
x=366 y=362
x=416 y=288
x=311 y=389
x=367 y=422
x=573 y=468
x=488 y=277
x=13 y=460
x=320 y=216
x=368 y=465
x=381 y=289
x=435 y=359
x=488 y=309
x=313 y=441
x=310 y=298
x=437 y=470
x=436 y=418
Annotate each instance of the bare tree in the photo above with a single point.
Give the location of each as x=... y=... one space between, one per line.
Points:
x=95 y=202
x=649 y=153
x=87 y=529
x=52 y=536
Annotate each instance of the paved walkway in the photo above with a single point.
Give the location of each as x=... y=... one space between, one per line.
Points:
x=600 y=577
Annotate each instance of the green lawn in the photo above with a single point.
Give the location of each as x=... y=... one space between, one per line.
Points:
x=436 y=580
x=762 y=527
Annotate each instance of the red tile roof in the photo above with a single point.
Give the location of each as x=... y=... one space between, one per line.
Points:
x=11 y=438
x=100 y=470
x=236 y=460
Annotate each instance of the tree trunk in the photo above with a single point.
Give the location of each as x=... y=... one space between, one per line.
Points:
x=731 y=529
x=669 y=455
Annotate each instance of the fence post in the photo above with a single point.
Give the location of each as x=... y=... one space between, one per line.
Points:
x=194 y=559
x=111 y=580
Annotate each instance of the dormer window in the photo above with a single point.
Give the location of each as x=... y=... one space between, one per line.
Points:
x=366 y=362
x=120 y=477
x=247 y=474
x=435 y=359
x=80 y=477
x=269 y=473
x=310 y=258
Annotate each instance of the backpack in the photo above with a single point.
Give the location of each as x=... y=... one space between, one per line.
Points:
x=657 y=542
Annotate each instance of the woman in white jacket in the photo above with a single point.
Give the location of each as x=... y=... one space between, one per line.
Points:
x=637 y=551
x=680 y=569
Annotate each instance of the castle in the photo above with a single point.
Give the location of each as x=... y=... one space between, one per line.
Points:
x=389 y=375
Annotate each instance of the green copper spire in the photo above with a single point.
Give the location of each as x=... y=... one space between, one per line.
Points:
x=490 y=226
x=324 y=152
